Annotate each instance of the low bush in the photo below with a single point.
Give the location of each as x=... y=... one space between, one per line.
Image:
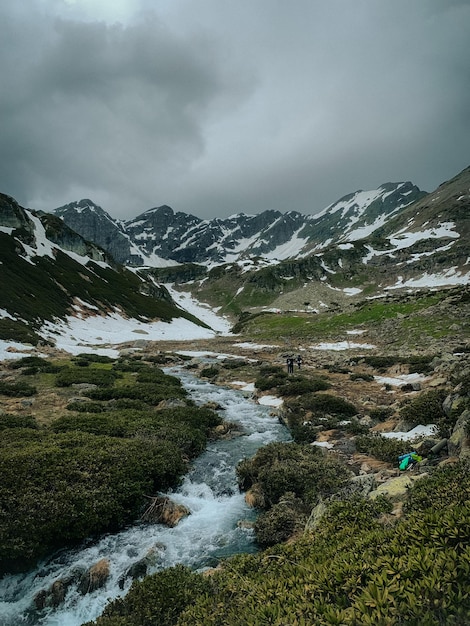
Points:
x=29 y=361
x=301 y=385
x=270 y=377
x=352 y=569
x=446 y=485
x=381 y=362
x=90 y=357
x=381 y=413
x=156 y=600
x=86 y=407
x=365 y=377
x=417 y=363
x=17 y=421
x=279 y=468
x=150 y=393
x=281 y=522
x=69 y=376
x=426 y=408
x=382 y=448
x=323 y=404
x=16 y=390
x=233 y=364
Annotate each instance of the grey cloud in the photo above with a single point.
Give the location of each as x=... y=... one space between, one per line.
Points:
x=110 y=109
x=240 y=106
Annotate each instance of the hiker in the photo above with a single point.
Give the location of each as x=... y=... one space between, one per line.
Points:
x=299 y=361
x=290 y=365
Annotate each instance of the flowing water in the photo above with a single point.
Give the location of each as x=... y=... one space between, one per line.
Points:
x=209 y=533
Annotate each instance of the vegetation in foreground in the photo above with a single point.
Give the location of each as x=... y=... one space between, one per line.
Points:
x=87 y=472
x=414 y=572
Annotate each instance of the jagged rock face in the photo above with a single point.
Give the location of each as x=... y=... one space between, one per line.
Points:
x=11 y=214
x=94 y=224
x=66 y=238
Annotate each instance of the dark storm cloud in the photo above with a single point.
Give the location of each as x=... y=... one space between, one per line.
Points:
x=240 y=106
x=104 y=109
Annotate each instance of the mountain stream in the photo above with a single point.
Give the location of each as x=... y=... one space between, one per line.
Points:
x=208 y=534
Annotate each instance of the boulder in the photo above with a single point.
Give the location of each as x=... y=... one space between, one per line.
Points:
x=254 y=497
x=162 y=510
x=316 y=516
x=139 y=568
x=245 y=524
x=395 y=488
x=459 y=441
x=95 y=577
x=55 y=595
x=363 y=484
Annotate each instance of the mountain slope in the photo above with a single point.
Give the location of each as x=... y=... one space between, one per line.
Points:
x=423 y=245
x=49 y=273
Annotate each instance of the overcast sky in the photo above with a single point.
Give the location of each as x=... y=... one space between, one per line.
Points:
x=223 y=106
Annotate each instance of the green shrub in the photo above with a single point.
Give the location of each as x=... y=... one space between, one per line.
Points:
x=61 y=488
x=365 y=377
x=324 y=404
x=157 y=600
x=381 y=413
x=233 y=364
x=75 y=375
x=383 y=448
x=445 y=486
x=16 y=390
x=200 y=417
x=300 y=385
x=282 y=521
x=94 y=424
x=186 y=427
x=303 y=470
x=154 y=375
x=351 y=570
x=93 y=358
x=417 y=363
x=86 y=407
x=17 y=421
x=426 y=408
x=29 y=361
x=270 y=377
x=130 y=365
x=128 y=403
x=149 y=393
x=381 y=362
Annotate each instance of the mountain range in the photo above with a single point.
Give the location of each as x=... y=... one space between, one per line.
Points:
x=160 y=237
x=78 y=260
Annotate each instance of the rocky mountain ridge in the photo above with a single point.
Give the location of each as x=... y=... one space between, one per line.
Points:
x=160 y=237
